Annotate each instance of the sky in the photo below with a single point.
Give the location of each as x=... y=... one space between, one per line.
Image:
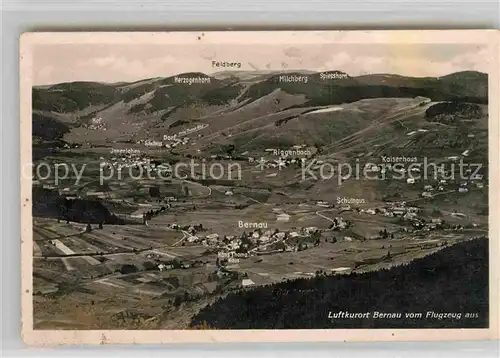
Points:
x=56 y=63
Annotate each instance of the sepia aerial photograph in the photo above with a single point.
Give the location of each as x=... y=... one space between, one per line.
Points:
x=215 y=186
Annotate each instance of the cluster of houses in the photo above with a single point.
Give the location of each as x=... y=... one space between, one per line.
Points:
x=164 y=266
x=221 y=157
x=281 y=162
x=134 y=161
x=410 y=214
x=444 y=179
x=231 y=248
x=252 y=242
x=339 y=224
x=395 y=209
x=464 y=186
x=282 y=158
x=399 y=209
x=172 y=142
x=190 y=229
x=75 y=192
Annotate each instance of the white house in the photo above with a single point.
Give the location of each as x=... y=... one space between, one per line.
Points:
x=311 y=229
x=409 y=216
x=283 y=217
x=280 y=235
x=398 y=211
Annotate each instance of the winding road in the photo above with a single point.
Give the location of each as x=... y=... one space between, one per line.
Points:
x=323 y=216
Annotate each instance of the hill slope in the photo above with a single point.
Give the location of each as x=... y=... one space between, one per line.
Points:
x=257 y=113
x=424 y=285
x=70 y=97
x=462 y=86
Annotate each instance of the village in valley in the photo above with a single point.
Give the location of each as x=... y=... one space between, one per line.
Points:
x=247 y=240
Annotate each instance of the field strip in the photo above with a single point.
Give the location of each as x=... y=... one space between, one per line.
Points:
x=68 y=265
x=59 y=245
x=36 y=249
x=201 y=185
x=147 y=292
x=106 y=240
x=45 y=233
x=107 y=283
x=163 y=253
x=84 y=243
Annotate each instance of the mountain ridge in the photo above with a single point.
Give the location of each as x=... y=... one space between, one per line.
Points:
x=252 y=113
x=263 y=72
